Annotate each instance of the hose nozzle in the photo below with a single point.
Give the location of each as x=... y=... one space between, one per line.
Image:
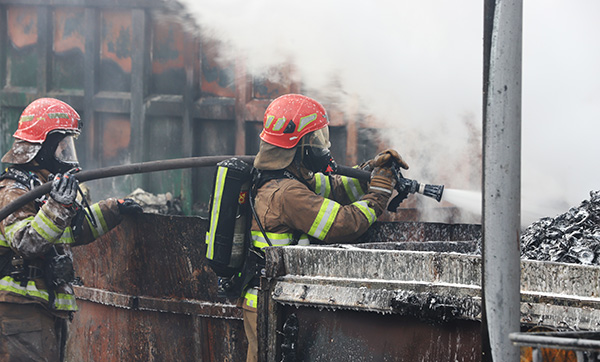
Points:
x=433 y=191
x=409 y=186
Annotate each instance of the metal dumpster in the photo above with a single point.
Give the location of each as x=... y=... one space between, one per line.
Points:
x=148 y=295
x=403 y=301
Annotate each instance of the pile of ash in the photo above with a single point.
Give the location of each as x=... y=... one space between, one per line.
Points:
x=572 y=237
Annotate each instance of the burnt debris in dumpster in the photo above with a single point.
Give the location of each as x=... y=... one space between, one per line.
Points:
x=571 y=237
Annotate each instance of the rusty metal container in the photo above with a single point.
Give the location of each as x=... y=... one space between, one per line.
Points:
x=148 y=295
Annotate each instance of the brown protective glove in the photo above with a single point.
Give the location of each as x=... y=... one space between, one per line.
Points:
x=387 y=157
x=382 y=181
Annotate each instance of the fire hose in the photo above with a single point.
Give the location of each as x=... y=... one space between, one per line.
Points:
x=402 y=184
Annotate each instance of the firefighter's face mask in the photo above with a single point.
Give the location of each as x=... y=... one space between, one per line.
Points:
x=65 y=151
x=315 y=152
x=58 y=154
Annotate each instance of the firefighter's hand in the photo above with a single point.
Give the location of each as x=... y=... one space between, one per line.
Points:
x=389 y=157
x=382 y=181
x=64 y=189
x=128 y=206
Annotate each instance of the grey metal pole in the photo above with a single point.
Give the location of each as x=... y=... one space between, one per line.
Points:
x=502 y=181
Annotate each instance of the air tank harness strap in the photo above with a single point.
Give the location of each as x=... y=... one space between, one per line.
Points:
x=26 y=178
x=19 y=269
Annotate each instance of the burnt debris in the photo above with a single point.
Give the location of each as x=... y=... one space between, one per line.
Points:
x=572 y=237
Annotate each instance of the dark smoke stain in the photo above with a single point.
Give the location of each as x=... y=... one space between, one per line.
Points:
x=122 y=46
x=224 y=77
x=73 y=25
x=29 y=27
x=166 y=51
x=265 y=91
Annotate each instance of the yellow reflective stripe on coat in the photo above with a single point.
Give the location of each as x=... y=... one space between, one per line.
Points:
x=46 y=227
x=101 y=227
x=327 y=213
x=363 y=206
x=12 y=229
x=303 y=240
x=65 y=302
x=251 y=297
x=352 y=187
x=62 y=301
x=3 y=241
x=322 y=185
x=30 y=290
x=66 y=237
x=216 y=210
x=259 y=241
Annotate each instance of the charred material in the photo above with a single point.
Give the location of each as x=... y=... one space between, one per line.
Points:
x=572 y=237
x=434 y=307
x=290 y=339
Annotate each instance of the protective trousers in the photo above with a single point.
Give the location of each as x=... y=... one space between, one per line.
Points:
x=29 y=333
x=250 y=327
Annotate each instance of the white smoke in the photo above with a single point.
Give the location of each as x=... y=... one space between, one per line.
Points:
x=416 y=66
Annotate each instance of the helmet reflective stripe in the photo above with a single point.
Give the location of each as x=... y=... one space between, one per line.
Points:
x=216 y=210
x=101 y=227
x=269 y=121
x=10 y=285
x=363 y=206
x=305 y=121
x=46 y=227
x=259 y=241
x=65 y=302
x=58 y=115
x=322 y=185
x=352 y=187
x=279 y=124
x=26 y=119
x=327 y=213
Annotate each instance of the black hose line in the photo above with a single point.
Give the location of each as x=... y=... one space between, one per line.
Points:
x=151 y=166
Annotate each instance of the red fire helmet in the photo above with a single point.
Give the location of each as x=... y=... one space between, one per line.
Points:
x=290 y=117
x=45 y=115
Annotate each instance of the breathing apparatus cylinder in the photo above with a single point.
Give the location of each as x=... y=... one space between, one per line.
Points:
x=226 y=236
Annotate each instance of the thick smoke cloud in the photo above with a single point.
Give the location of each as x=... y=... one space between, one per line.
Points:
x=416 y=66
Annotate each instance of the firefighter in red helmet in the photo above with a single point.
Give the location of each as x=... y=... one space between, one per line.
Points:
x=297 y=201
x=36 y=265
